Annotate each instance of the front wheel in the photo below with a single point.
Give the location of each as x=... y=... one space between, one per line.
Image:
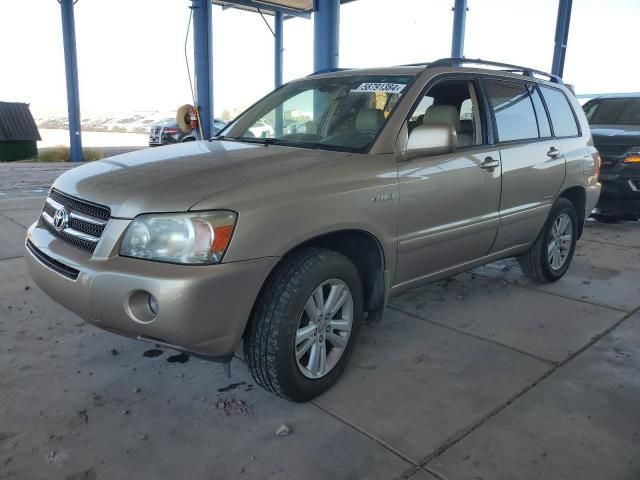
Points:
x=551 y=254
x=305 y=324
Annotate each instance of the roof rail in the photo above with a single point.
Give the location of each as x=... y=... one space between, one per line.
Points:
x=328 y=70
x=457 y=62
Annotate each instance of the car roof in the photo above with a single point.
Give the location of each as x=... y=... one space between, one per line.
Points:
x=611 y=96
x=417 y=70
x=446 y=65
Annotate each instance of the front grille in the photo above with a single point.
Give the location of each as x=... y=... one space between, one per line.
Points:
x=612 y=150
x=611 y=155
x=82 y=224
x=609 y=162
x=52 y=263
x=82 y=206
x=70 y=239
x=155 y=134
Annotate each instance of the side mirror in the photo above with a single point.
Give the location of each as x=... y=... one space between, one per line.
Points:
x=431 y=139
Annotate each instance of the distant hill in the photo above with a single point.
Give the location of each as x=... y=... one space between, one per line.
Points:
x=137 y=122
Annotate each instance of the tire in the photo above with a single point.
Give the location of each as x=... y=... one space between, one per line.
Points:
x=270 y=339
x=536 y=263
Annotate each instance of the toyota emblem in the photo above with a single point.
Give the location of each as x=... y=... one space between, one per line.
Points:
x=60 y=219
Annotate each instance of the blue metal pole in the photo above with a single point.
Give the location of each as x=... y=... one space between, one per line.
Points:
x=278 y=49
x=459 y=21
x=278 y=20
x=203 y=63
x=326 y=35
x=562 y=36
x=71 y=72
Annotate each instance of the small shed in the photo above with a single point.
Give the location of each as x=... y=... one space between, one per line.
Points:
x=18 y=132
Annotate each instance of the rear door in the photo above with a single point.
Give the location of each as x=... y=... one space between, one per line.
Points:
x=566 y=129
x=533 y=164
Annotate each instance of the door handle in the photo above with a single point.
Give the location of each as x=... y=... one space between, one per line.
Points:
x=489 y=164
x=554 y=153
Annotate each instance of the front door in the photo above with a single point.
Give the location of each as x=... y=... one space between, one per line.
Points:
x=448 y=209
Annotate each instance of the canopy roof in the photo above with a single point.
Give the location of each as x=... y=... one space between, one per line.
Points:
x=16 y=123
x=289 y=7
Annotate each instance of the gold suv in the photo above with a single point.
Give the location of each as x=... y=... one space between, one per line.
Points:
x=314 y=207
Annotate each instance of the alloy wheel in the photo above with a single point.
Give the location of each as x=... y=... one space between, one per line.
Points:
x=560 y=241
x=324 y=328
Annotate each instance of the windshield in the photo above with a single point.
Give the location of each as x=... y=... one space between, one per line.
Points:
x=613 y=111
x=336 y=113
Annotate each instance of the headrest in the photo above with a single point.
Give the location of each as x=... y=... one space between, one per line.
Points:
x=310 y=127
x=369 y=120
x=442 y=114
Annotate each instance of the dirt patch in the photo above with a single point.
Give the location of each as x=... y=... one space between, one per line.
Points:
x=232 y=407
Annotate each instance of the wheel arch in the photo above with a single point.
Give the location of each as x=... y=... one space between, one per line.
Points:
x=361 y=247
x=577 y=195
x=365 y=251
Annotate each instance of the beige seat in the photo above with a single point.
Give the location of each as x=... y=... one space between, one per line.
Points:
x=447 y=115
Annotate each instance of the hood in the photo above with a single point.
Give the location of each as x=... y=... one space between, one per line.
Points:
x=612 y=141
x=167 y=122
x=176 y=177
x=622 y=131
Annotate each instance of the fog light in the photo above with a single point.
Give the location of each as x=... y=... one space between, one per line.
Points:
x=154 y=306
x=142 y=307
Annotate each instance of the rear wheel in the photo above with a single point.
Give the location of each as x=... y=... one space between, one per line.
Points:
x=551 y=254
x=305 y=324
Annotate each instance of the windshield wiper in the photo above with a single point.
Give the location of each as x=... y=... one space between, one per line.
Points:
x=258 y=140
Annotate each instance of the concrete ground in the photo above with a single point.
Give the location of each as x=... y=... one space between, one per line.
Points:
x=34 y=178
x=486 y=376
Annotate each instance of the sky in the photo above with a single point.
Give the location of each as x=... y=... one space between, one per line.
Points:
x=131 y=52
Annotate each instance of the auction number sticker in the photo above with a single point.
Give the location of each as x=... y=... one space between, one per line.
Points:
x=369 y=87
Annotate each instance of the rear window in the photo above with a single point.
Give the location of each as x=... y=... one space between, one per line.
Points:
x=614 y=111
x=562 y=118
x=515 y=118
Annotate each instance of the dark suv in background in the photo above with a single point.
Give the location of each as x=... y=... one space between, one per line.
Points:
x=615 y=125
x=167 y=131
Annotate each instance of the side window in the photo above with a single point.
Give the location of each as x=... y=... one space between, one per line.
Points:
x=418 y=114
x=564 y=123
x=541 y=114
x=455 y=103
x=513 y=109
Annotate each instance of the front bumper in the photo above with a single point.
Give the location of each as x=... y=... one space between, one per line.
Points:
x=164 y=139
x=620 y=192
x=202 y=309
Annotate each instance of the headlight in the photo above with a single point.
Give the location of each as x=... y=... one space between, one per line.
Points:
x=191 y=238
x=632 y=155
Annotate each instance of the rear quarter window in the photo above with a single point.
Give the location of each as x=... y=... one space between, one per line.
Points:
x=513 y=110
x=562 y=117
